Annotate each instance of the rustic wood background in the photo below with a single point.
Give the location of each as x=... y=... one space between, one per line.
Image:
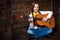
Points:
x=15 y=28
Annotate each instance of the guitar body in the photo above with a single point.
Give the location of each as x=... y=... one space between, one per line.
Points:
x=50 y=23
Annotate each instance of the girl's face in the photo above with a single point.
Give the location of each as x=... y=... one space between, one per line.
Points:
x=36 y=8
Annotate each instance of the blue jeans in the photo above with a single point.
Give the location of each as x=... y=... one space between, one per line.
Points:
x=39 y=32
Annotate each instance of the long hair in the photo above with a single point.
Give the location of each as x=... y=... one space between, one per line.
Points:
x=33 y=4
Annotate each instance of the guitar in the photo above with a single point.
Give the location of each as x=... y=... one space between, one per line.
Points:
x=50 y=23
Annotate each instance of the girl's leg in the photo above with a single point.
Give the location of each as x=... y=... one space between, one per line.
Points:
x=31 y=26
x=29 y=31
x=43 y=32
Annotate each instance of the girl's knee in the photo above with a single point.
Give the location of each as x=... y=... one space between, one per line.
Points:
x=50 y=30
x=29 y=31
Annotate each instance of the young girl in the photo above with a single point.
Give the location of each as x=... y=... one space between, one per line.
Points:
x=38 y=32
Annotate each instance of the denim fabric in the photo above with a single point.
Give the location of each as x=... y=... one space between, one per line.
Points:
x=40 y=32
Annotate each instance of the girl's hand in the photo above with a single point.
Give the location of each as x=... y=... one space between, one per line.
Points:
x=30 y=19
x=44 y=19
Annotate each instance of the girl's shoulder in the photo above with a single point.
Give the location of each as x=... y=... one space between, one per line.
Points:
x=43 y=12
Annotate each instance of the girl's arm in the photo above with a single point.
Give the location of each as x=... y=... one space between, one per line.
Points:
x=50 y=13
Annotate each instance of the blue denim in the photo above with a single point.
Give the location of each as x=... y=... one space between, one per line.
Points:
x=40 y=32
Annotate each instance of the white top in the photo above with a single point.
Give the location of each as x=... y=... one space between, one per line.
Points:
x=50 y=13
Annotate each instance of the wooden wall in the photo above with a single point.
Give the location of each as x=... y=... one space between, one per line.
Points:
x=24 y=7
x=15 y=28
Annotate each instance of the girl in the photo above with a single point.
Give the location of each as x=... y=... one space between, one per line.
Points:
x=38 y=32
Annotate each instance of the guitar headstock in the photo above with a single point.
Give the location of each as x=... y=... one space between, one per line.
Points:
x=17 y=16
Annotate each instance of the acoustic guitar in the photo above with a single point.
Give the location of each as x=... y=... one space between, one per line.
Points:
x=50 y=23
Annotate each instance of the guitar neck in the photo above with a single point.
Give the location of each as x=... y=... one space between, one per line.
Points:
x=26 y=17
x=20 y=16
x=37 y=18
